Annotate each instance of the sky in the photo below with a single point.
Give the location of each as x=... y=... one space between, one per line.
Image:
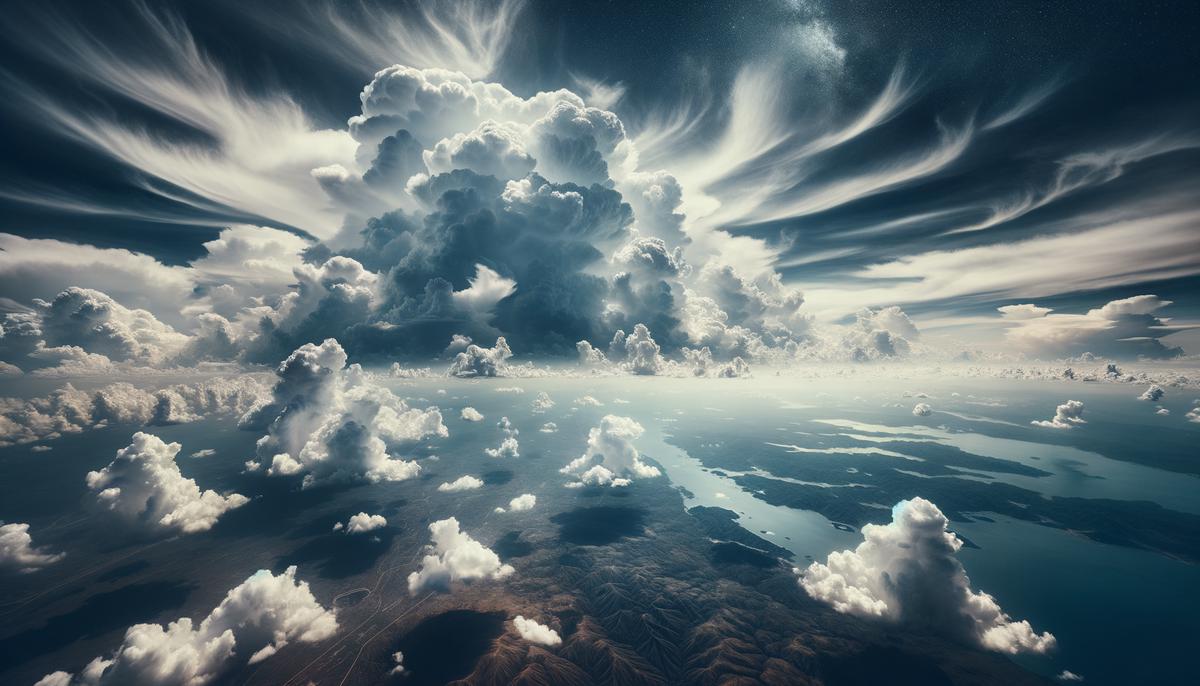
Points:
x=780 y=181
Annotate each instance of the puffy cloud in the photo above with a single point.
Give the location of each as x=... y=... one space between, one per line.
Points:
x=17 y=552
x=922 y=410
x=470 y=414
x=1153 y=394
x=462 y=483
x=1193 y=415
x=639 y=352
x=509 y=447
x=523 y=502
x=611 y=458
x=455 y=556
x=256 y=619
x=95 y=322
x=542 y=402
x=908 y=572
x=577 y=144
x=882 y=333
x=1065 y=416
x=332 y=423
x=363 y=522
x=1068 y=676
x=486 y=362
x=587 y=401
x=144 y=486
x=491 y=149
x=551 y=427
x=534 y=632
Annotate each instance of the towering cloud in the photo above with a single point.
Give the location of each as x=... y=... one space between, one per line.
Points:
x=611 y=458
x=908 y=572
x=331 y=423
x=257 y=618
x=1067 y=415
x=144 y=486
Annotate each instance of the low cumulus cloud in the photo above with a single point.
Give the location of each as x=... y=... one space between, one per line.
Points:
x=611 y=458
x=462 y=483
x=257 y=618
x=908 y=572
x=534 y=632
x=1066 y=416
x=144 y=486
x=455 y=556
x=522 y=503
x=509 y=445
x=331 y=423
x=361 y=523
x=470 y=414
x=18 y=553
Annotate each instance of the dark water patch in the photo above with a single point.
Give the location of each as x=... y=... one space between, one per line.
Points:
x=97 y=615
x=510 y=546
x=599 y=525
x=338 y=555
x=883 y=665
x=497 y=477
x=446 y=647
x=123 y=571
x=730 y=553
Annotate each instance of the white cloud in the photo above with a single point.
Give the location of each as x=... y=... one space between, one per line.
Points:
x=144 y=486
x=1065 y=416
x=922 y=410
x=491 y=149
x=470 y=414
x=532 y=631
x=455 y=557
x=482 y=362
x=610 y=457
x=331 y=422
x=1153 y=394
x=542 y=402
x=907 y=571
x=1068 y=675
x=257 y=618
x=1023 y=311
x=17 y=552
x=462 y=483
x=549 y=428
x=522 y=503
x=640 y=352
x=487 y=288
x=363 y=522
x=509 y=447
